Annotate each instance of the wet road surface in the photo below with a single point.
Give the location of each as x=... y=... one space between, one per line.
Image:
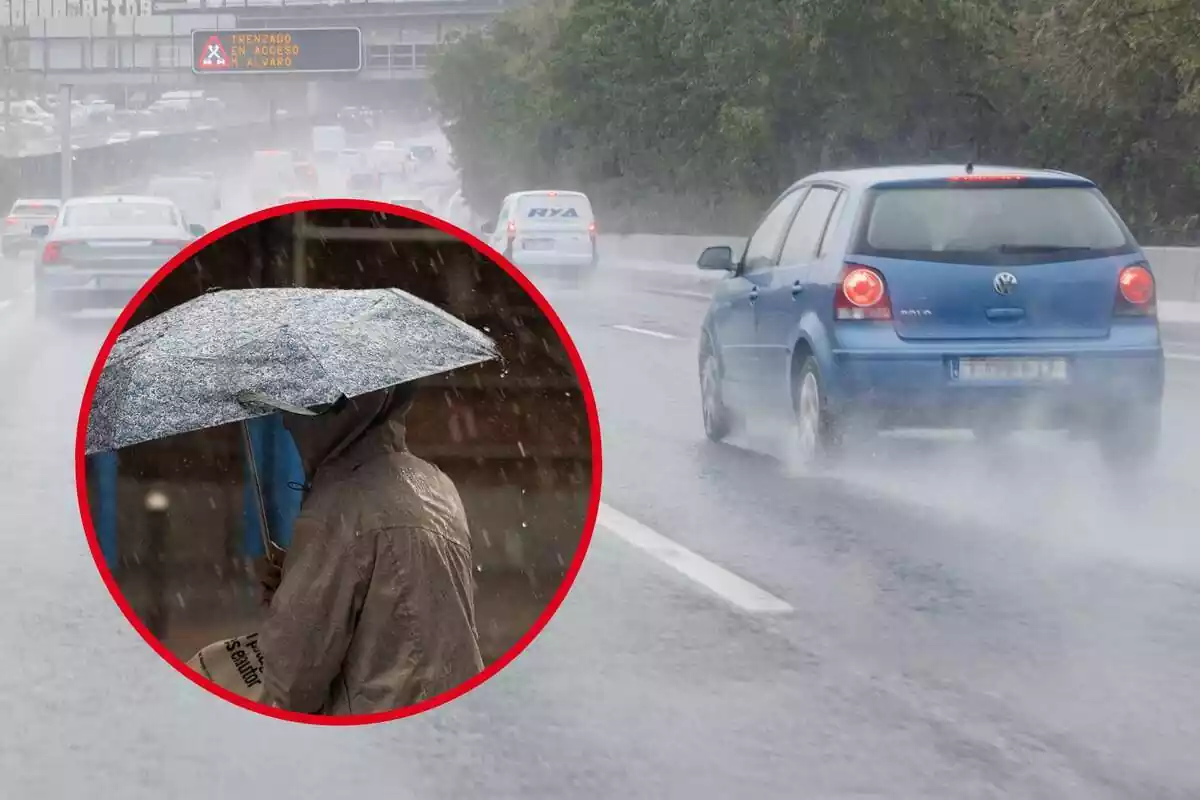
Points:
x=963 y=623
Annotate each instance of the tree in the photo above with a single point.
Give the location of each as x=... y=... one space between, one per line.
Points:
x=693 y=114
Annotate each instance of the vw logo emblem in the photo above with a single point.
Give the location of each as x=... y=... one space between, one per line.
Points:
x=1004 y=283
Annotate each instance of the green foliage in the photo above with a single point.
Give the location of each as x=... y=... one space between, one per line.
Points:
x=681 y=115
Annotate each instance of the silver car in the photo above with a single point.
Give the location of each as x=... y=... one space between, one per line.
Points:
x=15 y=237
x=102 y=250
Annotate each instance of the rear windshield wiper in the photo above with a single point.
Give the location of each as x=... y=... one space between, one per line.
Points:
x=1042 y=248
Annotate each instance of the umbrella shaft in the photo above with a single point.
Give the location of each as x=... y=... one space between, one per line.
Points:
x=259 y=501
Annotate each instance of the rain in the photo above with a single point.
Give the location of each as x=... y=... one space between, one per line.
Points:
x=937 y=612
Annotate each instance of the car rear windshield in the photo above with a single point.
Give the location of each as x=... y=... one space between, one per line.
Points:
x=567 y=209
x=991 y=225
x=34 y=210
x=121 y=214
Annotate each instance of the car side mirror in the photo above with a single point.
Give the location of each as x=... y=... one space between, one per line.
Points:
x=488 y=227
x=718 y=258
x=39 y=231
x=197 y=230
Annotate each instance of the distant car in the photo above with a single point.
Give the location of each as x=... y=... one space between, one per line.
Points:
x=410 y=202
x=421 y=152
x=363 y=184
x=547 y=231
x=101 y=250
x=15 y=238
x=197 y=196
x=307 y=176
x=936 y=296
x=149 y=134
x=120 y=137
x=351 y=160
x=384 y=145
x=271 y=172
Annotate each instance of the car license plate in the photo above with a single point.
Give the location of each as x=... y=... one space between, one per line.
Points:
x=1009 y=369
x=537 y=244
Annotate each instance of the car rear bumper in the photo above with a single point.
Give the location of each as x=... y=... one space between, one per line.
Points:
x=80 y=290
x=17 y=242
x=923 y=390
x=552 y=260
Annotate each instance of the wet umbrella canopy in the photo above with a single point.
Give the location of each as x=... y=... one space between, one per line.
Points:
x=231 y=356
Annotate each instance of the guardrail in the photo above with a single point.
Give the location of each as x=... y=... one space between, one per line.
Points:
x=1177 y=269
x=98 y=169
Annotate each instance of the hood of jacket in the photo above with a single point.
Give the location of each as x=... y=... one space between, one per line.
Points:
x=322 y=438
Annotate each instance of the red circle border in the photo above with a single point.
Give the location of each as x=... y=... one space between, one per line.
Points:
x=480 y=247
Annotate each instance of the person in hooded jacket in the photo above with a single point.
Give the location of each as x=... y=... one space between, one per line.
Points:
x=373 y=609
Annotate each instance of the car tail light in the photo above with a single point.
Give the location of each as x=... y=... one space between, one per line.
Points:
x=1135 y=291
x=592 y=229
x=52 y=252
x=11 y=220
x=862 y=294
x=512 y=230
x=986 y=178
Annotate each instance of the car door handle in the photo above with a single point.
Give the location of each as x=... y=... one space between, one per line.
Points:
x=797 y=288
x=753 y=294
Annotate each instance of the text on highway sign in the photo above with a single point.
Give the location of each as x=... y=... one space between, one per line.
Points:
x=241 y=52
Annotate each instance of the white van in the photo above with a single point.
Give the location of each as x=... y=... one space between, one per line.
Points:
x=546 y=231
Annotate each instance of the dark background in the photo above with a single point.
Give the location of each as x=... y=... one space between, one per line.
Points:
x=512 y=434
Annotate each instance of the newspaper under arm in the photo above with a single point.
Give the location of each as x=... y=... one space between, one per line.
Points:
x=235 y=665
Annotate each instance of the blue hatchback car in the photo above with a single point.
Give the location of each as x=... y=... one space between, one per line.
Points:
x=932 y=297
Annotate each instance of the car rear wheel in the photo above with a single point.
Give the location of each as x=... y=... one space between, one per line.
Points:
x=1131 y=437
x=816 y=437
x=718 y=422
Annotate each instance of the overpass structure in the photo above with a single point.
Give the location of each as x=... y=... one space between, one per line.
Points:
x=99 y=49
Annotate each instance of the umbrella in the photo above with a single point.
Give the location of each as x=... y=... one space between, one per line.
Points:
x=235 y=355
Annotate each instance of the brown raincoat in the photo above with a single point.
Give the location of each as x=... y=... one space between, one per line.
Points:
x=375 y=610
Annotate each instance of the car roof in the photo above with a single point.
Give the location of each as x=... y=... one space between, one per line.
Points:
x=119 y=198
x=878 y=176
x=543 y=192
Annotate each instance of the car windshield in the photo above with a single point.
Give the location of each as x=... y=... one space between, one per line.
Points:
x=34 y=210
x=122 y=214
x=990 y=225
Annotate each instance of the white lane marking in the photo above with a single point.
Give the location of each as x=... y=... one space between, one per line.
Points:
x=644 y=332
x=683 y=293
x=1183 y=356
x=719 y=581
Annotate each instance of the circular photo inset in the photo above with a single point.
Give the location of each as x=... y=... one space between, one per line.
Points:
x=337 y=464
